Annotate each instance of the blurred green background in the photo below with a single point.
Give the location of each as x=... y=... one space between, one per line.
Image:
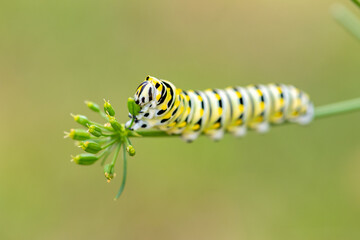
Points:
x=292 y=183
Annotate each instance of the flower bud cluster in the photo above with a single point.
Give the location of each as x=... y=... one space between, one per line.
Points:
x=100 y=140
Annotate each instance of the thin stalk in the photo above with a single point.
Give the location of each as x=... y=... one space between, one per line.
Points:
x=106 y=154
x=110 y=135
x=132 y=122
x=347 y=19
x=320 y=112
x=124 y=175
x=110 y=143
x=116 y=154
x=103 y=115
x=337 y=108
x=100 y=140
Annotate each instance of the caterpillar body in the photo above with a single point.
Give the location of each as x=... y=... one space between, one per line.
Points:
x=214 y=111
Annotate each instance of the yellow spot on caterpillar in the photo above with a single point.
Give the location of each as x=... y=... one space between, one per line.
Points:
x=278 y=115
x=259 y=92
x=259 y=119
x=187 y=98
x=167 y=115
x=262 y=105
x=241 y=108
x=183 y=124
x=220 y=110
x=216 y=125
x=238 y=94
x=201 y=112
x=282 y=101
x=196 y=127
x=217 y=96
x=172 y=124
x=200 y=98
x=158 y=97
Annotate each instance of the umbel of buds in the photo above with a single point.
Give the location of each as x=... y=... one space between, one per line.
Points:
x=100 y=140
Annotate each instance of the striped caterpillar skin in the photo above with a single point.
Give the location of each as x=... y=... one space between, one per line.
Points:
x=214 y=111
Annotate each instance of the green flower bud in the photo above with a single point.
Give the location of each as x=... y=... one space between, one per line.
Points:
x=116 y=126
x=90 y=147
x=95 y=131
x=108 y=108
x=131 y=150
x=134 y=109
x=109 y=172
x=78 y=134
x=81 y=119
x=85 y=159
x=92 y=106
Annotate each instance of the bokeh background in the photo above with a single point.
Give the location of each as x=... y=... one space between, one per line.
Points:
x=292 y=183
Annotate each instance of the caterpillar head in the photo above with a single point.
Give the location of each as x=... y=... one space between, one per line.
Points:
x=146 y=91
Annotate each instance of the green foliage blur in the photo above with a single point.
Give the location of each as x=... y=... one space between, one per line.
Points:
x=292 y=183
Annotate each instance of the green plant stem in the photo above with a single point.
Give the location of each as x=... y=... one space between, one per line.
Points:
x=126 y=142
x=347 y=19
x=356 y=2
x=132 y=122
x=320 y=112
x=106 y=154
x=110 y=143
x=116 y=154
x=103 y=115
x=124 y=175
x=337 y=108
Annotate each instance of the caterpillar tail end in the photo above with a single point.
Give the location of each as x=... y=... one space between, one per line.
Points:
x=308 y=116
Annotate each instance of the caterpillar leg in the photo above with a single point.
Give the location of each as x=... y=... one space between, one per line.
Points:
x=190 y=136
x=217 y=135
x=238 y=131
x=262 y=127
x=308 y=116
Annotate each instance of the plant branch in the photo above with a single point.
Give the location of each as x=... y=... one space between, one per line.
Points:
x=347 y=19
x=320 y=112
x=356 y=2
x=337 y=108
x=124 y=175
